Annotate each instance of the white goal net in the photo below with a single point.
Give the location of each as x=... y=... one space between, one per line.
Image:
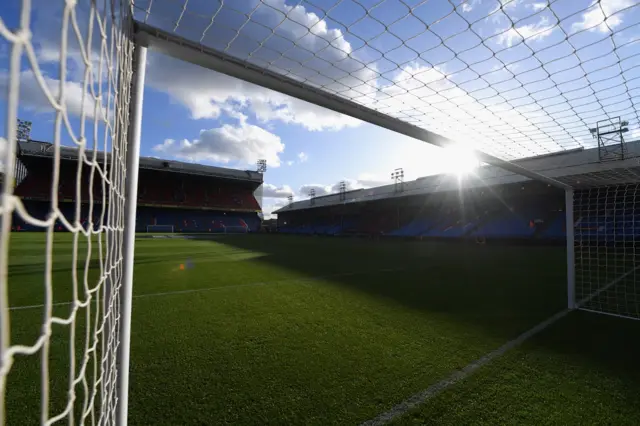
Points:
x=71 y=63
x=607 y=226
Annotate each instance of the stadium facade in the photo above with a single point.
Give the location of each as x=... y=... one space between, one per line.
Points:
x=173 y=196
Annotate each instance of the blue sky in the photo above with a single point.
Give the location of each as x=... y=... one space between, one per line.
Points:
x=514 y=78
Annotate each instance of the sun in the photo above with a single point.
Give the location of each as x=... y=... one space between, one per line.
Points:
x=458 y=160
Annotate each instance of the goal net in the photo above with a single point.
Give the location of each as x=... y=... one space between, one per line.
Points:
x=164 y=229
x=607 y=272
x=60 y=335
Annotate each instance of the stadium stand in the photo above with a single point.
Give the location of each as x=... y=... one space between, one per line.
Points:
x=523 y=212
x=180 y=196
x=489 y=203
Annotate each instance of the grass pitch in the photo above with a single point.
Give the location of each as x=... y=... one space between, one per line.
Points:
x=268 y=329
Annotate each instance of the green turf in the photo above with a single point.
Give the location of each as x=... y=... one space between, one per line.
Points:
x=306 y=330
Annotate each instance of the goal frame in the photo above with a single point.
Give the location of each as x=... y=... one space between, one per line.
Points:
x=571 y=254
x=186 y=50
x=133 y=165
x=233 y=227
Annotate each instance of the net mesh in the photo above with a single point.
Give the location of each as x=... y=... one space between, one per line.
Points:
x=516 y=78
x=607 y=225
x=74 y=69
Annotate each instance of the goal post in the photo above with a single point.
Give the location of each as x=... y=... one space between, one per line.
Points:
x=160 y=229
x=96 y=109
x=139 y=67
x=571 y=267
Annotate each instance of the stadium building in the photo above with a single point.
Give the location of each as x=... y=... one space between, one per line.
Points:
x=172 y=196
x=487 y=204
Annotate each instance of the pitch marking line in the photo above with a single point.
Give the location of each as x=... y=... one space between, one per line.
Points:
x=588 y=299
x=207 y=289
x=433 y=390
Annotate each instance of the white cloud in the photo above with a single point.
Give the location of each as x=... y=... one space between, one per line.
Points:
x=505 y=5
x=290 y=163
x=33 y=97
x=207 y=94
x=303 y=157
x=319 y=188
x=447 y=109
x=273 y=191
x=601 y=11
x=530 y=32
x=369 y=180
x=469 y=5
x=271 y=205
x=536 y=7
x=364 y=181
x=243 y=144
x=48 y=18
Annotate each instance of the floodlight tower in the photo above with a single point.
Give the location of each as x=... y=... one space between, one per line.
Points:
x=610 y=136
x=342 y=190
x=290 y=198
x=312 y=197
x=261 y=166
x=397 y=176
x=24 y=130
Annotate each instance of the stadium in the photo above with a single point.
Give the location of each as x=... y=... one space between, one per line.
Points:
x=158 y=266
x=172 y=196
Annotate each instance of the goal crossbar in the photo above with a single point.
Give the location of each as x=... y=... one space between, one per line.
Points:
x=198 y=54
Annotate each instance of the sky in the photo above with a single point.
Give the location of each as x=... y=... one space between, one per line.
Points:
x=514 y=78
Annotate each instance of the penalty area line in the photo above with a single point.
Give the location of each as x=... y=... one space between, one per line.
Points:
x=224 y=287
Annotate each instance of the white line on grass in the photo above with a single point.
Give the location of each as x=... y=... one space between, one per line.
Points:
x=224 y=287
x=433 y=390
x=588 y=299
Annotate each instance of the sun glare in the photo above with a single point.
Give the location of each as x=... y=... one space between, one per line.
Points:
x=458 y=160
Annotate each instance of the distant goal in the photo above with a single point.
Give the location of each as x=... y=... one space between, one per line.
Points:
x=235 y=229
x=160 y=229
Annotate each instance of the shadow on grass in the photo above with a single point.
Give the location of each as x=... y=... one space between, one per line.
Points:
x=500 y=291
